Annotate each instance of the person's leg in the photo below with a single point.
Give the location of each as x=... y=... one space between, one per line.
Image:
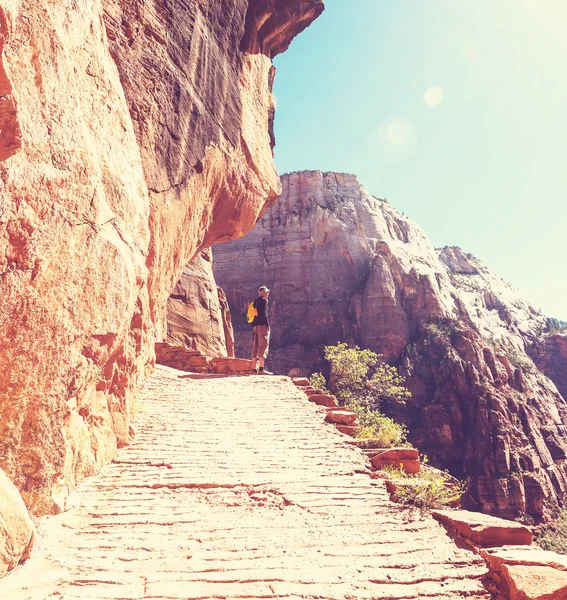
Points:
x=263 y=345
x=254 y=349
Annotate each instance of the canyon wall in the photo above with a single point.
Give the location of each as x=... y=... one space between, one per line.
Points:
x=344 y=266
x=134 y=133
x=198 y=316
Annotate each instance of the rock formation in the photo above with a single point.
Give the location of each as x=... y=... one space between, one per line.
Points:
x=550 y=355
x=133 y=134
x=17 y=532
x=344 y=266
x=198 y=316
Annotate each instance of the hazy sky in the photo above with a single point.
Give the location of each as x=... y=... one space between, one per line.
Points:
x=454 y=110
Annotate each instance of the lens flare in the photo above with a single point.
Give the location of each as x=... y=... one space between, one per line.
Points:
x=433 y=95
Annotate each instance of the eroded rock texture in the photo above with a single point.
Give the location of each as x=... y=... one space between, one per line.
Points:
x=550 y=355
x=17 y=532
x=144 y=134
x=344 y=266
x=197 y=311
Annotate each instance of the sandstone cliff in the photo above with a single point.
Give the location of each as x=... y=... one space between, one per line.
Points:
x=133 y=134
x=344 y=266
x=198 y=316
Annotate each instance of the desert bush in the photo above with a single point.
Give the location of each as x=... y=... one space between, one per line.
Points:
x=554 y=535
x=361 y=381
x=379 y=431
x=361 y=377
x=318 y=381
x=555 y=325
x=393 y=472
x=430 y=489
x=441 y=328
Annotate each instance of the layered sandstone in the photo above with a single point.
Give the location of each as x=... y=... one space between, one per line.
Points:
x=198 y=316
x=133 y=134
x=549 y=353
x=344 y=266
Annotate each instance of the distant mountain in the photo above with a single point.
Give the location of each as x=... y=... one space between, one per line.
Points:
x=480 y=361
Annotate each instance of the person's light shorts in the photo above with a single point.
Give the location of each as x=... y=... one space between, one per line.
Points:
x=261 y=341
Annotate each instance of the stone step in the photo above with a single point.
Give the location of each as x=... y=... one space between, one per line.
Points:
x=406 y=459
x=347 y=429
x=323 y=400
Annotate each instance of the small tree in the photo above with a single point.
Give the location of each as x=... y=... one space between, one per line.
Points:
x=362 y=382
x=361 y=377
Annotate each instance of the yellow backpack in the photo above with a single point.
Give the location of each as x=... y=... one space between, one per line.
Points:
x=252 y=312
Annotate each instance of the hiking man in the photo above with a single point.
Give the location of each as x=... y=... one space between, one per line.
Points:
x=261 y=329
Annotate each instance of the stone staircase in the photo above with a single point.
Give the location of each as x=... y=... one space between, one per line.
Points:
x=517 y=570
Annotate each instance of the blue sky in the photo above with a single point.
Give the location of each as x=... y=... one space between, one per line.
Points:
x=454 y=110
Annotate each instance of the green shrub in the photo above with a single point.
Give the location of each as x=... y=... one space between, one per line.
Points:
x=517 y=360
x=318 y=381
x=379 y=430
x=361 y=381
x=441 y=328
x=554 y=535
x=555 y=325
x=392 y=471
x=430 y=489
x=361 y=377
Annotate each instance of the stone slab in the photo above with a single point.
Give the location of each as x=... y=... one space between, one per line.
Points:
x=485 y=530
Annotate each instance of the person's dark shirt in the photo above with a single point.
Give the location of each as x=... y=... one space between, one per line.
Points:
x=261 y=305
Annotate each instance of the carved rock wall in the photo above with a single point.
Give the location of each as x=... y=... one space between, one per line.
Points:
x=134 y=133
x=344 y=266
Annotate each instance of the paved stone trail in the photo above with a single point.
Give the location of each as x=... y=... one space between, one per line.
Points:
x=235 y=488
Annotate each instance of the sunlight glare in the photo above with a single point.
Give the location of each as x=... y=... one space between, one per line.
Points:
x=433 y=95
x=393 y=141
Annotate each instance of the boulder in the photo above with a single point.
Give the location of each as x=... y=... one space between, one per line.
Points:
x=17 y=531
x=535 y=582
x=484 y=530
x=527 y=572
x=523 y=555
x=231 y=365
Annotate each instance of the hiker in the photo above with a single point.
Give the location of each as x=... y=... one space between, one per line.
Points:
x=261 y=329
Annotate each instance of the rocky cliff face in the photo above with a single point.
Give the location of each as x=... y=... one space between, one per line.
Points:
x=344 y=266
x=549 y=353
x=133 y=134
x=198 y=316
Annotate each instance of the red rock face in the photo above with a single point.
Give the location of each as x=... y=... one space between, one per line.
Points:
x=10 y=135
x=344 y=266
x=197 y=311
x=134 y=133
x=550 y=356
